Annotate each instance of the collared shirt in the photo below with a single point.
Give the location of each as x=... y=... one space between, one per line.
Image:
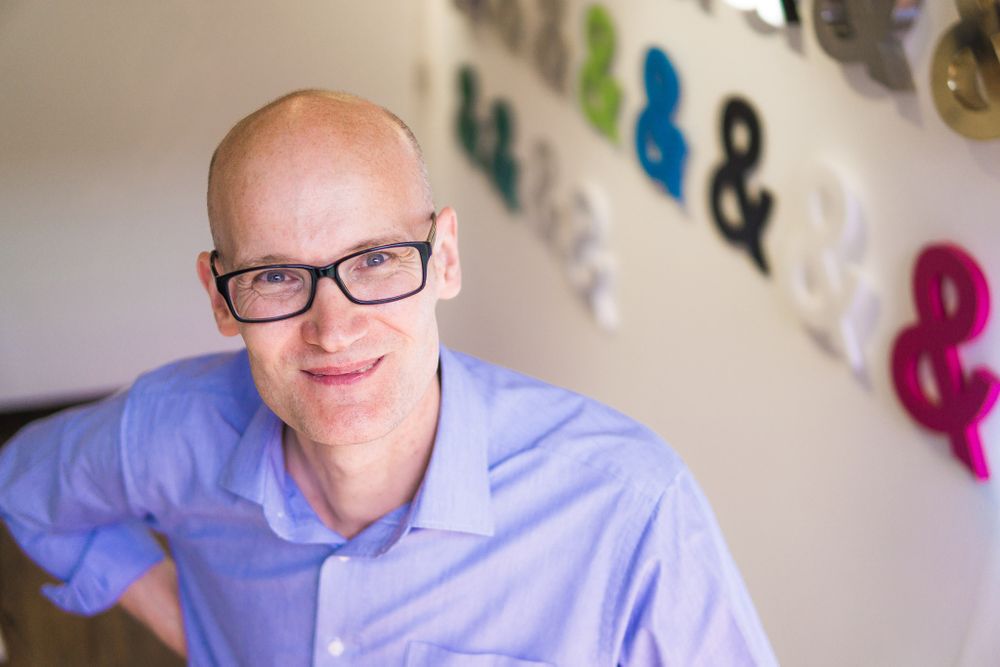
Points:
x=548 y=530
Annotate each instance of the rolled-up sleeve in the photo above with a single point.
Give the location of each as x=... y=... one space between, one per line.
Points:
x=68 y=500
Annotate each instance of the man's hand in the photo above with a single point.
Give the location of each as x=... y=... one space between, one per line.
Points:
x=154 y=601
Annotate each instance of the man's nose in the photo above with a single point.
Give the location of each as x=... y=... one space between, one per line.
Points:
x=333 y=322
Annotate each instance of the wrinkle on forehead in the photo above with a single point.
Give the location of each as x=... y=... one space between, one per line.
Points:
x=354 y=136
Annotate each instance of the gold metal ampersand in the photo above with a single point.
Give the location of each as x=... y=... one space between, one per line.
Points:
x=965 y=74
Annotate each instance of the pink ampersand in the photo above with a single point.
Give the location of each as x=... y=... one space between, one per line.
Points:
x=963 y=400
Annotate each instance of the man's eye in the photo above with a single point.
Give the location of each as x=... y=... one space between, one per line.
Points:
x=274 y=277
x=271 y=279
x=376 y=259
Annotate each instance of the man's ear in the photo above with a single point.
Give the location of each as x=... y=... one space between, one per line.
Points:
x=224 y=319
x=445 y=257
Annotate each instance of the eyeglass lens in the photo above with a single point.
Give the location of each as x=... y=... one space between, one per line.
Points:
x=385 y=273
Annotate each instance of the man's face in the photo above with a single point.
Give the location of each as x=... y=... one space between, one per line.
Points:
x=341 y=372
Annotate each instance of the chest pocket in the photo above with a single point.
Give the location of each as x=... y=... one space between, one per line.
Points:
x=422 y=654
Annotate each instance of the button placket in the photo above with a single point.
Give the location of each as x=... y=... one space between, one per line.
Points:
x=335 y=642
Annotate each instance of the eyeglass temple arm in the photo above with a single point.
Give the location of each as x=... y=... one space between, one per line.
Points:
x=211 y=262
x=432 y=234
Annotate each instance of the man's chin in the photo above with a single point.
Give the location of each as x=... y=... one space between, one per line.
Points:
x=344 y=427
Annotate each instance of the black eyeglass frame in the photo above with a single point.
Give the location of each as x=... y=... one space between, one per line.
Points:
x=425 y=248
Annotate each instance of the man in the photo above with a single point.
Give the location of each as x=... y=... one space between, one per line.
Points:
x=348 y=491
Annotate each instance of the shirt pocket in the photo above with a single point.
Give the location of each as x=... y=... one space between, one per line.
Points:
x=422 y=654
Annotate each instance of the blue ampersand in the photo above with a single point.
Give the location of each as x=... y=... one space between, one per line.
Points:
x=660 y=145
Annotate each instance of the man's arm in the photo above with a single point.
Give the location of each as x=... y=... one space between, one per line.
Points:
x=154 y=601
x=65 y=495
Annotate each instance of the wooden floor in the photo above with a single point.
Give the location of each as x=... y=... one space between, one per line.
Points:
x=38 y=634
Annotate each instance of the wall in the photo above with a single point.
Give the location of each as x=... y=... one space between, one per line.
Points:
x=863 y=541
x=110 y=115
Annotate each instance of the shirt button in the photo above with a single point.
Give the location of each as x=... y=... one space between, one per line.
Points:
x=343 y=559
x=336 y=647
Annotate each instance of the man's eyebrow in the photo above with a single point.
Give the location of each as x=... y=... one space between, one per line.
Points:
x=262 y=260
x=377 y=241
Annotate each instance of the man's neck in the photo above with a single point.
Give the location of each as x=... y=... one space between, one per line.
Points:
x=352 y=486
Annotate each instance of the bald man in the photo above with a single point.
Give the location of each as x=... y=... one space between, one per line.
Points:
x=346 y=490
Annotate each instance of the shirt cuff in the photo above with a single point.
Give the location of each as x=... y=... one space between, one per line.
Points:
x=116 y=556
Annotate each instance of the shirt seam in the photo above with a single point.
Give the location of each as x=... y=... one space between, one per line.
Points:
x=624 y=557
x=647 y=489
x=127 y=473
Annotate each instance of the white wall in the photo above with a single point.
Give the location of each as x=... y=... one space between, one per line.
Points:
x=110 y=113
x=862 y=540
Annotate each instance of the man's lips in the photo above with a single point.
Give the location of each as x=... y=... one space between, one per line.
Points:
x=345 y=374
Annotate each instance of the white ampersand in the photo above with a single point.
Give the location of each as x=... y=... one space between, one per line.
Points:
x=819 y=267
x=590 y=265
x=576 y=232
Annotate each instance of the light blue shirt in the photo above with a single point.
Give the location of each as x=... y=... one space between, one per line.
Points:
x=548 y=530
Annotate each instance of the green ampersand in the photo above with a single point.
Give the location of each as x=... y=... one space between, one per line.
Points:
x=503 y=166
x=466 y=123
x=600 y=95
x=488 y=142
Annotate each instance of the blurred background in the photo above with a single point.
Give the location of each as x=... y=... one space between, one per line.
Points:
x=862 y=539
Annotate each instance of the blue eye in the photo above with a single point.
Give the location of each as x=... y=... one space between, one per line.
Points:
x=275 y=277
x=375 y=259
x=273 y=281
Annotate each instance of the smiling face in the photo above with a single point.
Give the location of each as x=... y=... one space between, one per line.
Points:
x=312 y=180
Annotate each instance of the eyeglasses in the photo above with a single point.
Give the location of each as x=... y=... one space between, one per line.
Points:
x=376 y=275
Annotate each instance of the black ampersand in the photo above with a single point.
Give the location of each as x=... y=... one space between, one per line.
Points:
x=732 y=175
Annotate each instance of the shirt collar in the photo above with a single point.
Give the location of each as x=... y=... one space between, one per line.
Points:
x=250 y=466
x=455 y=492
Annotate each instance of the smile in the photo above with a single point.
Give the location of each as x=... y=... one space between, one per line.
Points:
x=341 y=375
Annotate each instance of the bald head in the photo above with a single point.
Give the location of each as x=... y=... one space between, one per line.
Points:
x=352 y=132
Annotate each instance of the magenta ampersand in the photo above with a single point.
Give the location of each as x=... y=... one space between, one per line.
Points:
x=963 y=400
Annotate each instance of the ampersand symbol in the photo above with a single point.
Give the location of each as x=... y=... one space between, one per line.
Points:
x=600 y=95
x=731 y=176
x=965 y=74
x=773 y=12
x=575 y=233
x=488 y=144
x=590 y=265
x=818 y=268
x=541 y=174
x=502 y=164
x=467 y=124
x=962 y=400
x=868 y=31
x=660 y=145
x=551 y=54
